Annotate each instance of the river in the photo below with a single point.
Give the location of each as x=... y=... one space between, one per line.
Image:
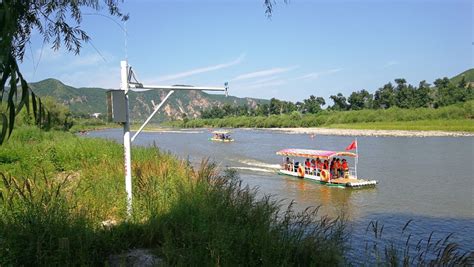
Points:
x=428 y=180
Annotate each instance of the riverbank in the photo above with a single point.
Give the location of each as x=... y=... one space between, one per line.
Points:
x=327 y=131
x=454 y=118
x=365 y=132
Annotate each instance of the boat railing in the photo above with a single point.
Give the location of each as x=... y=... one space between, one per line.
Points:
x=352 y=172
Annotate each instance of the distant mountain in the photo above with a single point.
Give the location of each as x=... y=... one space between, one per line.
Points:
x=93 y=100
x=468 y=75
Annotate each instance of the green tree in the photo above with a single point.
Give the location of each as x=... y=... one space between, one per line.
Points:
x=288 y=107
x=263 y=110
x=360 y=100
x=214 y=112
x=384 y=97
x=447 y=93
x=404 y=94
x=275 y=106
x=228 y=110
x=299 y=106
x=313 y=104
x=462 y=83
x=422 y=97
x=58 y=22
x=340 y=102
x=243 y=110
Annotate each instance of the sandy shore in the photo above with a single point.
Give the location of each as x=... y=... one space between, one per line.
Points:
x=353 y=132
x=325 y=131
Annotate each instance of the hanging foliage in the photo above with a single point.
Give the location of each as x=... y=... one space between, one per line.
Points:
x=53 y=20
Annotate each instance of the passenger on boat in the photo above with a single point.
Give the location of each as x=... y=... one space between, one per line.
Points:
x=295 y=167
x=333 y=168
x=326 y=165
x=319 y=164
x=288 y=164
x=345 y=168
x=307 y=165
x=317 y=167
x=313 y=167
x=338 y=168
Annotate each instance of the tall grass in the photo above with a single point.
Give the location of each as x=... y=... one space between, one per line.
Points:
x=62 y=202
x=58 y=191
x=457 y=117
x=408 y=250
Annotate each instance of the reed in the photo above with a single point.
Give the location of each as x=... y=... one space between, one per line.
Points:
x=409 y=250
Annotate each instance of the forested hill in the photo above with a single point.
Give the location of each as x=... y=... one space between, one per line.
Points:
x=468 y=77
x=86 y=101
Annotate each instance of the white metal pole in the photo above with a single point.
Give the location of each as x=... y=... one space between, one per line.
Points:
x=126 y=137
x=357 y=158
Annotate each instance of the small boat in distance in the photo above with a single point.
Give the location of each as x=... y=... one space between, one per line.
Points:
x=221 y=136
x=318 y=168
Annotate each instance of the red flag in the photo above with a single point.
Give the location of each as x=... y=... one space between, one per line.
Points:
x=352 y=146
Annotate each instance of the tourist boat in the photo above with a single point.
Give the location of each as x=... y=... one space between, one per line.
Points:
x=323 y=176
x=221 y=136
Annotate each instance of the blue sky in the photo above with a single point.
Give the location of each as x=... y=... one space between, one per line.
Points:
x=318 y=47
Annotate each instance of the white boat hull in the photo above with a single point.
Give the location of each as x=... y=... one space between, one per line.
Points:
x=340 y=182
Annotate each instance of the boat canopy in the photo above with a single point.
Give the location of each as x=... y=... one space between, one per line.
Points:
x=309 y=153
x=221 y=132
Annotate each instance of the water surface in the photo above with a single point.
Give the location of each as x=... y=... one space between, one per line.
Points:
x=429 y=180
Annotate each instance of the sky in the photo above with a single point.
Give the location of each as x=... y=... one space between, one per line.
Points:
x=318 y=47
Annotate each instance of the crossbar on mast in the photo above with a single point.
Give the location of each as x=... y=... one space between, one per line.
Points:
x=179 y=87
x=152 y=114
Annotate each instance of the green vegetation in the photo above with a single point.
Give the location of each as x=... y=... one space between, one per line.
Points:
x=404 y=104
x=422 y=125
x=55 y=22
x=56 y=189
x=62 y=203
x=467 y=76
x=458 y=117
x=405 y=96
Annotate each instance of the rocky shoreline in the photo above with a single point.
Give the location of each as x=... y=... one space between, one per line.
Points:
x=356 y=132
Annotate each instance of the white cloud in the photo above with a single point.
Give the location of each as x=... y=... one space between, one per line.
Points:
x=201 y=70
x=104 y=77
x=391 y=63
x=264 y=80
x=47 y=54
x=265 y=84
x=69 y=60
x=316 y=75
x=263 y=73
x=89 y=69
x=86 y=60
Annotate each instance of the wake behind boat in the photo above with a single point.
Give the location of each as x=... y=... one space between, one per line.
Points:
x=324 y=167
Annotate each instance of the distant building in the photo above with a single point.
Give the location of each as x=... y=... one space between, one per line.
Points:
x=95 y=115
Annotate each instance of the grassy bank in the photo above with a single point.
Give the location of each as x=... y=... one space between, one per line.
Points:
x=91 y=124
x=62 y=203
x=421 y=125
x=58 y=189
x=458 y=117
